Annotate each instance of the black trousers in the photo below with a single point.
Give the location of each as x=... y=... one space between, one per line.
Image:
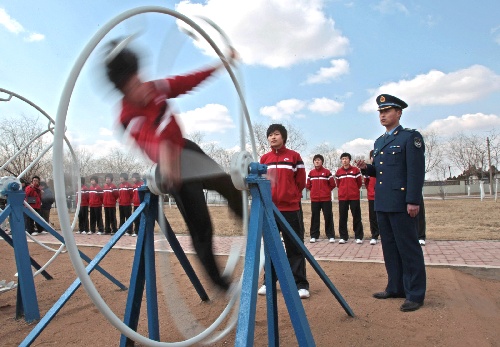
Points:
x=125 y=213
x=83 y=219
x=326 y=207
x=110 y=220
x=137 y=221
x=422 y=225
x=190 y=199
x=357 y=225
x=31 y=224
x=403 y=256
x=96 y=219
x=372 y=215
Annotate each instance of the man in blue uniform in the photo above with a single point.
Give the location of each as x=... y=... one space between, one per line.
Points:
x=399 y=167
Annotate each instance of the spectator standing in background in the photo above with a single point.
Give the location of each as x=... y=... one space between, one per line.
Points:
x=47 y=202
x=83 y=214
x=110 y=195
x=34 y=199
x=137 y=182
x=372 y=215
x=95 y=205
x=125 y=196
x=320 y=182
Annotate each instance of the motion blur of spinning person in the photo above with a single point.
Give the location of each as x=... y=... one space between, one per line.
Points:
x=183 y=168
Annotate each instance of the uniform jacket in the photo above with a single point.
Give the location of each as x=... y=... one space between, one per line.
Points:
x=321 y=183
x=370 y=183
x=110 y=194
x=348 y=183
x=399 y=166
x=85 y=196
x=136 y=200
x=36 y=192
x=287 y=173
x=95 y=196
x=125 y=194
x=149 y=125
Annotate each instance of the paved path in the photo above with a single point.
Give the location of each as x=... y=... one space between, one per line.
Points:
x=484 y=254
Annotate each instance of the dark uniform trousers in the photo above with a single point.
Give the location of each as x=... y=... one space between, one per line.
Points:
x=357 y=225
x=422 y=225
x=401 y=249
x=316 y=207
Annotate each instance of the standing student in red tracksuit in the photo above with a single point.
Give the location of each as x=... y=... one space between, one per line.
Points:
x=370 y=183
x=349 y=182
x=83 y=214
x=320 y=182
x=125 y=195
x=286 y=171
x=110 y=195
x=136 y=201
x=34 y=199
x=95 y=206
x=148 y=118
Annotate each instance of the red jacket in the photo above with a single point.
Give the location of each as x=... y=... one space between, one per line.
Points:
x=136 y=200
x=370 y=186
x=287 y=173
x=85 y=196
x=125 y=194
x=149 y=125
x=95 y=196
x=34 y=192
x=321 y=183
x=348 y=183
x=110 y=194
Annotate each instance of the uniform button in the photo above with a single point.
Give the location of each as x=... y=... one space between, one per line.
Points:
x=381 y=152
x=381 y=172
x=380 y=182
x=381 y=162
x=402 y=189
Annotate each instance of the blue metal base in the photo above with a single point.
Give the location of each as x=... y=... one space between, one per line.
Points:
x=263 y=216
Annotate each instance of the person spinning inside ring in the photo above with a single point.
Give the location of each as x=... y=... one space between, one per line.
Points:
x=148 y=118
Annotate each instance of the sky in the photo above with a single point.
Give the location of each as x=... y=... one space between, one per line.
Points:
x=317 y=65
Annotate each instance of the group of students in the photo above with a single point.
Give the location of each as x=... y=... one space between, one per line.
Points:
x=94 y=198
x=349 y=180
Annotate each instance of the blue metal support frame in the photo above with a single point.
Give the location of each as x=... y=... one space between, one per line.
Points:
x=263 y=217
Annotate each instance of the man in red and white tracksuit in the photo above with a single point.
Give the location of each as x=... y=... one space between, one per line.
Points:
x=110 y=195
x=125 y=196
x=95 y=206
x=136 y=201
x=321 y=182
x=83 y=214
x=349 y=182
x=286 y=171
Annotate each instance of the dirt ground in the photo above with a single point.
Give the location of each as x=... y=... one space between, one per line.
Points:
x=462 y=306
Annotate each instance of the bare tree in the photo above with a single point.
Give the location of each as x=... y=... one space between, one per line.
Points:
x=15 y=134
x=119 y=161
x=468 y=153
x=434 y=150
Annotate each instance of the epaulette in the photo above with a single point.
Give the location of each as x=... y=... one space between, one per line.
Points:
x=380 y=136
x=410 y=130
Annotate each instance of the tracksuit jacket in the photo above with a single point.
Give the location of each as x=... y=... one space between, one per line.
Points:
x=370 y=183
x=136 y=200
x=110 y=194
x=95 y=196
x=125 y=194
x=321 y=183
x=348 y=183
x=85 y=196
x=287 y=173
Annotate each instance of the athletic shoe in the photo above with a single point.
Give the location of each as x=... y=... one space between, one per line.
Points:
x=127 y=234
x=359 y=241
x=78 y=232
x=89 y=232
x=373 y=241
x=99 y=233
x=422 y=242
x=262 y=290
x=44 y=232
x=312 y=240
x=34 y=233
x=331 y=240
x=134 y=235
x=304 y=293
x=342 y=241
x=83 y=232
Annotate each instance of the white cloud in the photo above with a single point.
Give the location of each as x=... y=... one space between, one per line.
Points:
x=10 y=23
x=105 y=132
x=33 y=37
x=101 y=148
x=301 y=27
x=390 y=6
x=439 y=88
x=358 y=146
x=284 y=109
x=466 y=123
x=15 y=27
x=324 y=105
x=212 y=118
x=338 y=68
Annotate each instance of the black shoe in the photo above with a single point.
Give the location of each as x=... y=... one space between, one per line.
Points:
x=386 y=295
x=409 y=306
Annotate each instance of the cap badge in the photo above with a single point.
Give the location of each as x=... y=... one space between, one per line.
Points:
x=382 y=99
